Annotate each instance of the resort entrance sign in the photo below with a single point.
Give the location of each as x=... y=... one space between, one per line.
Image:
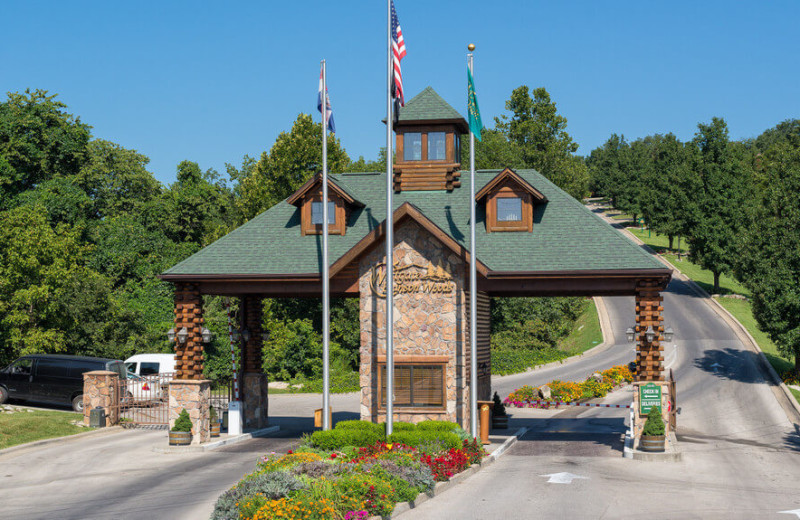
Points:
x=412 y=278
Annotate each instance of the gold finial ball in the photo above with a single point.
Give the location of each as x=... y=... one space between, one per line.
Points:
x=471 y=47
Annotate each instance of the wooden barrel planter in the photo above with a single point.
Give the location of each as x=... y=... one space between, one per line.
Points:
x=180 y=438
x=652 y=443
x=215 y=428
x=500 y=422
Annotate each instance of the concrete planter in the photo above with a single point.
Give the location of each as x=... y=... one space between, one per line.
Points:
x=652 y=443
x=180 y=438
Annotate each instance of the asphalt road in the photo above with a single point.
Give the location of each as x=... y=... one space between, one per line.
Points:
x=741 y=455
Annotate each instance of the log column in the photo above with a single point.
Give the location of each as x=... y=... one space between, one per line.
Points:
x=254 y=381
x=649 y=354
x=189 y=315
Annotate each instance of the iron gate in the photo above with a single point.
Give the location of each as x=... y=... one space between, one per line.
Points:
x=143 y=400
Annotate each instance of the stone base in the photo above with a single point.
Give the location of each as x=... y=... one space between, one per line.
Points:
x=256 y=401
x=639 y=418
x=193 y=395
x=99 y=390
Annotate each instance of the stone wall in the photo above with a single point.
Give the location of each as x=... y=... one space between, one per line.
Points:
x=193 y=395
x=99 y=389
x=429 y=319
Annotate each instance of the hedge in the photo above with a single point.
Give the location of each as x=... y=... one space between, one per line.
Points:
x=339 y=438
x=423 y=437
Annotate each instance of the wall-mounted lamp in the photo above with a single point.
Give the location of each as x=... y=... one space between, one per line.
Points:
x=668 y=334
x=206 y=335
x=246 y=335
x=171 y=335
x=650 y=334
x=182 y=336
x=630 y=333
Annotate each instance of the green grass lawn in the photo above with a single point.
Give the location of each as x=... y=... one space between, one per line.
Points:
x=586 y=333
x=796 y=394
x=21 y=427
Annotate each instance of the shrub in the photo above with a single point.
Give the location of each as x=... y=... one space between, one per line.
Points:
x=418 y=475
x=339 y=438
x=513 y=361
x=270 y=485
x=359 y=425
x=212 y=414
x=443 y=426
x=320 y=468
x=183 y=423
x=364 y=492
x=654 y=425
x=427 y=440
x=498 y=408
x=401 y=427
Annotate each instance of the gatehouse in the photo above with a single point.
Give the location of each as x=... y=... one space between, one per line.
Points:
x=532 y=240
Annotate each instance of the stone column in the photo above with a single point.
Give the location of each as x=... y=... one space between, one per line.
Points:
x=193 y=395
x=100 y=389
x=188 y=315
x=649 y=354
x=254 y=381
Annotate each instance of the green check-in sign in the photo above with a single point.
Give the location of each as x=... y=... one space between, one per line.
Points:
x=649 y=396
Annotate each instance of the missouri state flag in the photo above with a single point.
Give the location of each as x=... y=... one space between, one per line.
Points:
x=329 y=110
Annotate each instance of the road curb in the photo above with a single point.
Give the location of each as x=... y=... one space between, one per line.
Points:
x=441 y=487
x=69 y=438
x=210 y=446
x=739 y=329
x=605 y=330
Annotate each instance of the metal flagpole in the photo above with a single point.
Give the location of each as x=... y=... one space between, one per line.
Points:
x=325 y=268
x=389 y=231
x=473 y=290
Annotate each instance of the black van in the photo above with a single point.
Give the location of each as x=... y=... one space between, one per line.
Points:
x=52 y=378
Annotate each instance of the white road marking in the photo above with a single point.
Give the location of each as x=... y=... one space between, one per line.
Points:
x=562 y=478
x=792 y=512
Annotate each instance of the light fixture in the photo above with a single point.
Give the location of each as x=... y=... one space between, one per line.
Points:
x=668 y=334
x=171 y=335
x=183 y=335
x=630 y=333
x=235 y=335
x=246 y=335
x=206 y=335
x=265 y=336
x=650 y=334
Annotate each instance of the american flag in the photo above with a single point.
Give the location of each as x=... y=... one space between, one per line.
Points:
x=398 y=53
x=328 y=109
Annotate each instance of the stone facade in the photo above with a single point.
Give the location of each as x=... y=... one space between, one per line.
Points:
x=430 y=320
x=256 y=400
x=99 y=389
x=193 y=395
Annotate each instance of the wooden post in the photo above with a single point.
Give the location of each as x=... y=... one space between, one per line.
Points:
x=189 y=315
x=649 y=354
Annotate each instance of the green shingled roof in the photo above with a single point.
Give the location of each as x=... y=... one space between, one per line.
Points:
x=427 y=105
x=565 y=236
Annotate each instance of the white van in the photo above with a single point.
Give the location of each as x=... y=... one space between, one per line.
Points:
x=150 y=364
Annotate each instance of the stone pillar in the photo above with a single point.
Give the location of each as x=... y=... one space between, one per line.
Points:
x=430 y=321
x=640 y=418
x=256 y=401
x=193 y=395
x=254 y=381
x=649 y=354
x=100 y=389
x=188 y=315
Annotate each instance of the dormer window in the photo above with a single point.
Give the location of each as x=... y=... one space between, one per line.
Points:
x=308 y=200
x=509 y=202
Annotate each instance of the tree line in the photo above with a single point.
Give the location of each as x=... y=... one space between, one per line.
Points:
x=736 y=203
x=85 y=228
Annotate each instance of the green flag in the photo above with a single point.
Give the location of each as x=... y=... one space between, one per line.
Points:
x=475 y=124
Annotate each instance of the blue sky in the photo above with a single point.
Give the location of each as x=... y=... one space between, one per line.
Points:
x=211 y=82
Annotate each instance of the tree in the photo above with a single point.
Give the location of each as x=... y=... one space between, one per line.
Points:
x=716 y=215
x=39 y=140
x=295 y=157
x=116 y=179
x=769 y=260
x=608 y=168
x=539 y=134
x=41 y=278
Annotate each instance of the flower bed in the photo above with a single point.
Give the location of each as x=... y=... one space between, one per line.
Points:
x=350 y=483
x=568 y=392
